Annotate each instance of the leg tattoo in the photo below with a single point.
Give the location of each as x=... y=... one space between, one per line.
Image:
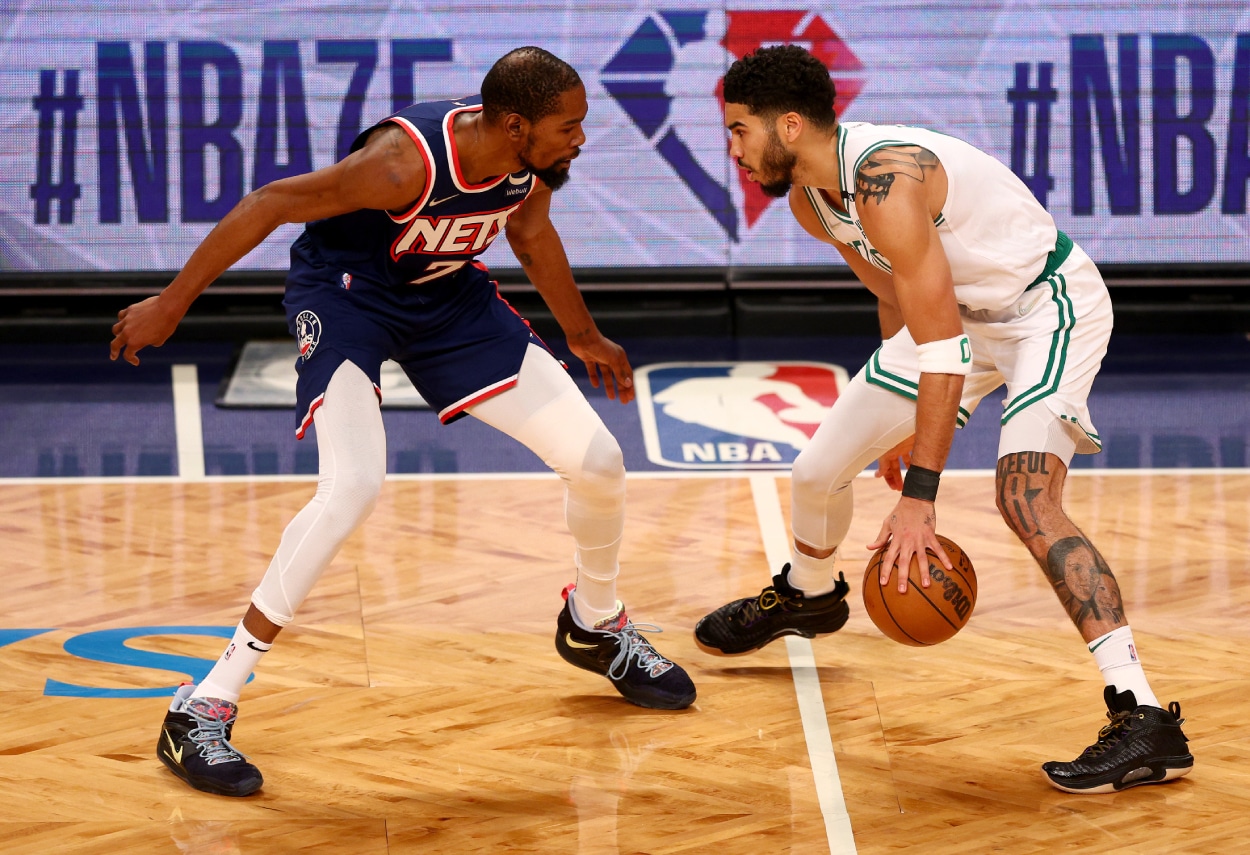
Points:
x=1030 y=487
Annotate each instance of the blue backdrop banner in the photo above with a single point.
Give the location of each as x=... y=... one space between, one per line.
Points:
x=129 y=129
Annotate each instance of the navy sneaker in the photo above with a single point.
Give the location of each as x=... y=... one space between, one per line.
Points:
x=748 y=624
x=1140 y=745
x=195 y=745
x=615 y=649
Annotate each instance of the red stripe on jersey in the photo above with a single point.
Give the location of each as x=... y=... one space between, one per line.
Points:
x=422 y=147
x=449 y=133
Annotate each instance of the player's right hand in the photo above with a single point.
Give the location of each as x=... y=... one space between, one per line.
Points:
x=147 y=323
x=604 y=356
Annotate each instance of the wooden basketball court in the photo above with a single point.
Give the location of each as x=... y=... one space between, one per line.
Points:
x=419 y=705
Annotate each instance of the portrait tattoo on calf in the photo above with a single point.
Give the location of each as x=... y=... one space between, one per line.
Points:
x=1084 y=582
x=876 y=175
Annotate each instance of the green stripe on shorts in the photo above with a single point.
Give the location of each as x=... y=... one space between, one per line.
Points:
x=878 y=376
x=1059 y=342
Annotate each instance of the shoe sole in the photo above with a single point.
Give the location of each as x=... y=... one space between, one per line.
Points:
x=840 y=620
x=658 y=703
x=200 y=784
x=1167 y=772
x=646 y=701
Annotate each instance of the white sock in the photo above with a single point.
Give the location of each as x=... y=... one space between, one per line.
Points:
x=587 y=611
x=228 y=676
x=597 y=570
x=812 y=576
x=1116 y=656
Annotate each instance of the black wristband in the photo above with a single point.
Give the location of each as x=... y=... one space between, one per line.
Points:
x=921 y=483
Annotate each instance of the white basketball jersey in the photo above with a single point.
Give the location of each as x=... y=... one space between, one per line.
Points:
x=995 y=233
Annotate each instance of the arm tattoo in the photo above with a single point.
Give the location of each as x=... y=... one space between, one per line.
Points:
x=875 y=177
x=1084 y=582
x=525 y=259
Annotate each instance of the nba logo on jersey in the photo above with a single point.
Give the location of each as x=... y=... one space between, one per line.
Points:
x=733 y=415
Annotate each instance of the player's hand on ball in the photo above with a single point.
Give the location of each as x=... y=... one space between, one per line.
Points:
x=606 y=357
x=909 y=530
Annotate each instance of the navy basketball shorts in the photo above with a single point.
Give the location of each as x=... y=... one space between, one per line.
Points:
x=457 y=339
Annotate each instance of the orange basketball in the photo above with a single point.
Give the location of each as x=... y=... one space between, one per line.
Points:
x=922 y=616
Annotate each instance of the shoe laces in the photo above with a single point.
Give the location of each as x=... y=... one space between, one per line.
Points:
x=1110 y=734
x=210 y=735
x=752 y=610
x=631 y=645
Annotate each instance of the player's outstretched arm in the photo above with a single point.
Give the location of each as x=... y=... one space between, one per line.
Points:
x=537 y=246
x=386 y=173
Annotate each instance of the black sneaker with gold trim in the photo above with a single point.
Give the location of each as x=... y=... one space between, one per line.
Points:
x=1140 y=745
x=195 y=745
x=748 y=624
x=617 y=650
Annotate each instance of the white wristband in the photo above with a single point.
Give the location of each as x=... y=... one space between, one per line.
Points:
x=948 y=356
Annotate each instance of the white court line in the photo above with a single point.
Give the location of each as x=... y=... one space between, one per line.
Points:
x=806 y=680
x=188 y=430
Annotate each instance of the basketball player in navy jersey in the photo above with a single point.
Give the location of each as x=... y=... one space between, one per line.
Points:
x=385 y=269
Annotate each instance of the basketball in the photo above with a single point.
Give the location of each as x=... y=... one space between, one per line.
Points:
x=922 y=616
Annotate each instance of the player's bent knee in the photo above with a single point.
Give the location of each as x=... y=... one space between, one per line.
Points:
x=350 y=502
x=811 y=477
x=603 y=460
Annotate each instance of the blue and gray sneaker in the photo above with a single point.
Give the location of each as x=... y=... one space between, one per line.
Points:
x=195 y=745
x=615 y=649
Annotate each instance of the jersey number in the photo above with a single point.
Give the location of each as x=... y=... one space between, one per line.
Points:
x=437 y=269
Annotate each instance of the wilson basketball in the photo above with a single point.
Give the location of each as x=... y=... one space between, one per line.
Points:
x=922 y=616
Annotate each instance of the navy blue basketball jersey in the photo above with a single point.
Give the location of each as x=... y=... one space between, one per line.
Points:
x=436 y=236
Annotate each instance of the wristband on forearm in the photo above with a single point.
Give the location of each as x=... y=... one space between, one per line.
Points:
x=921 y=483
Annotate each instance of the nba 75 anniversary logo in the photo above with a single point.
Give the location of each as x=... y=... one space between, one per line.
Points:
x=667 y=78
x=733 y=415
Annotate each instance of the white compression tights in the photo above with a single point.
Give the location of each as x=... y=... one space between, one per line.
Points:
x=549 y=415
x=866 y=422
x=545 y=411
x=351 y=445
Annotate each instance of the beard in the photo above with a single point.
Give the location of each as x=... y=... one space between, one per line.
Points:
x=554 y=176
x=777 y=164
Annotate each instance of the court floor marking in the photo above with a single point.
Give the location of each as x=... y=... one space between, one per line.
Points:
x=806 y=679
x=188 y=426
x=64 y=480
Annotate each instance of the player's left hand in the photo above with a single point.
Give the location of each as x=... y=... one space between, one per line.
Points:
x=910 y=529
x=607 y=358
x=891 y=464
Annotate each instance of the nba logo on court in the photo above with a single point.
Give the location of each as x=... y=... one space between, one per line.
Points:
x=733 y=415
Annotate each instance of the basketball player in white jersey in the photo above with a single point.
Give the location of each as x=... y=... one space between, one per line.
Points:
x=379 y=273
x=976 y=288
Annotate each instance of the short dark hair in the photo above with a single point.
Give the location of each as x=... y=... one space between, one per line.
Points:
x=528 y=81
x=782 y=79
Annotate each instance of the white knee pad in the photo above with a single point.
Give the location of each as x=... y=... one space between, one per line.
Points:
x=351 y=445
